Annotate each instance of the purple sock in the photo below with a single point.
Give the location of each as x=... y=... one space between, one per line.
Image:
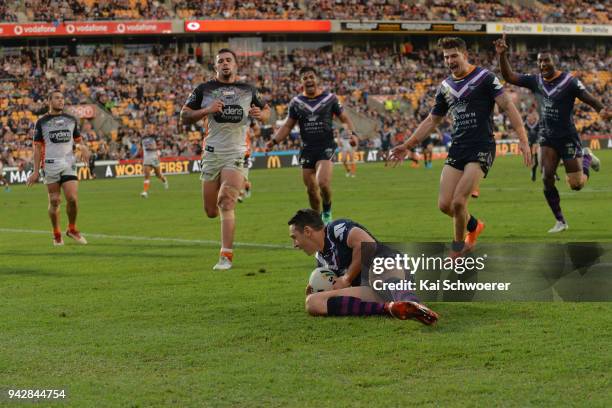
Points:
x=586 y=164
x=352 y=306
x=554 y=202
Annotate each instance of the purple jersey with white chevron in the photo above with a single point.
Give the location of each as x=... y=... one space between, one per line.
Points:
x=315 y=117
x=555 y=103
x=470 y=100
x=336 y=254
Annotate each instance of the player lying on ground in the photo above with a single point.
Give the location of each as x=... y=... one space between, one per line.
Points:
x=338 y=247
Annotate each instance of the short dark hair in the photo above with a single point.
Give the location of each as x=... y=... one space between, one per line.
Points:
x=452 y=42
x=53 y=91
x=306 y=69
x=306 y=217
x=222 y=50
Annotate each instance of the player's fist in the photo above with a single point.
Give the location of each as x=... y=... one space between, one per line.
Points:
x=500 y=45
x=255 y=112
x=33 y=178
x=270 y=145
x=215 y=106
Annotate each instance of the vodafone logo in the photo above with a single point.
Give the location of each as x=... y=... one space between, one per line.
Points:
x=18 y=30
x=121 y=28
x=70 y=28
x=193 y=26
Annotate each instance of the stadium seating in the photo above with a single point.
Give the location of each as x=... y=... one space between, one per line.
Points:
x=572 y=11
x=151 y=87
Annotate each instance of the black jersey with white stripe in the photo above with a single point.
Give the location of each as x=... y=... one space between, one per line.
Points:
x=315 y=118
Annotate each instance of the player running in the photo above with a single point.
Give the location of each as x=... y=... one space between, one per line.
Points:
x=314 y=110
x=347 y=142
x=150 y=160
x=54 y=136
x=338 y=246
x=469 y=94
x=226 y=105
x=556 y=92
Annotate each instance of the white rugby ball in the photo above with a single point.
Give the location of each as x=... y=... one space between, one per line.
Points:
x=322 y=279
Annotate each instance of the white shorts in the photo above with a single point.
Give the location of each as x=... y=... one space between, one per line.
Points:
x=212 y=163
x=151 y=161
x=59 y=171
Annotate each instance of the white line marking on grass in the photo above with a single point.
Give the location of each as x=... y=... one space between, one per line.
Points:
x=159 y=239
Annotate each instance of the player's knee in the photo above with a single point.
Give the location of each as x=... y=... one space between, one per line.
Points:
x=70 y=199
x=211 y=212
x=313 y=305
x=226 y=202
x=458 y=205
x=445 y=207
x=312 y=190
x=54 y=201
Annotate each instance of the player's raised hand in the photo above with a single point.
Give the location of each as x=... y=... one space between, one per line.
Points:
x=215 y=106
x=255 y=112
x=398 y=154
x=32 y=179
x=500 y=45
x=526 y=152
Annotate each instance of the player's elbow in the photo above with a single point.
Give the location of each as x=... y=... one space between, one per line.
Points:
x=313 y=305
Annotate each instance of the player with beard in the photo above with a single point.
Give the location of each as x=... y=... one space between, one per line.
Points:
x=54 y=137
x=225 y=105
x=314 y=110
x=556 y=91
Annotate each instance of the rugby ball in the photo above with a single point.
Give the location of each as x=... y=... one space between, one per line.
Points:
x=321 y=280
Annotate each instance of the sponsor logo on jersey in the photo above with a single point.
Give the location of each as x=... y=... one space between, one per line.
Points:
x=60 y=136
x=230 y=114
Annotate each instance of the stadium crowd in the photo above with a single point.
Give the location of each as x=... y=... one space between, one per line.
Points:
x=569 y=11
x=392 y=89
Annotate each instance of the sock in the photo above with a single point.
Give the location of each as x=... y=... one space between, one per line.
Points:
x=352 y=306
x=586 y=164
x=472 y=224
x=554 y=202
x=535 y=165
x=228 y=253
x=353 y=168
x=146 y=185
x=327 y=207
x=57 y=233
x=71 y=227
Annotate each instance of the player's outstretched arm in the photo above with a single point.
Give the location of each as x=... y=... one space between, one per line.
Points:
x=398 y=153
x=84 y=149
x=504 y=102
x=501 y=48
x=282 y=133
x=354 y=240
x=588 y=98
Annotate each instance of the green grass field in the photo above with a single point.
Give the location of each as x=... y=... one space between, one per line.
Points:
x=128 y=321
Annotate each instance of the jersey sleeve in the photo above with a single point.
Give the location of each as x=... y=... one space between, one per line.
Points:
x=38 y=134
x=527 y=81
x=340 y=230
x=440 y=104
x=494 y=86
x=194 y=101
x=578 y=87
x=336 y=107
x=293 y=111
x=256 y=98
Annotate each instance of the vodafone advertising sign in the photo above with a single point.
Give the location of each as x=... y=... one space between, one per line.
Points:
x=85 y=28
